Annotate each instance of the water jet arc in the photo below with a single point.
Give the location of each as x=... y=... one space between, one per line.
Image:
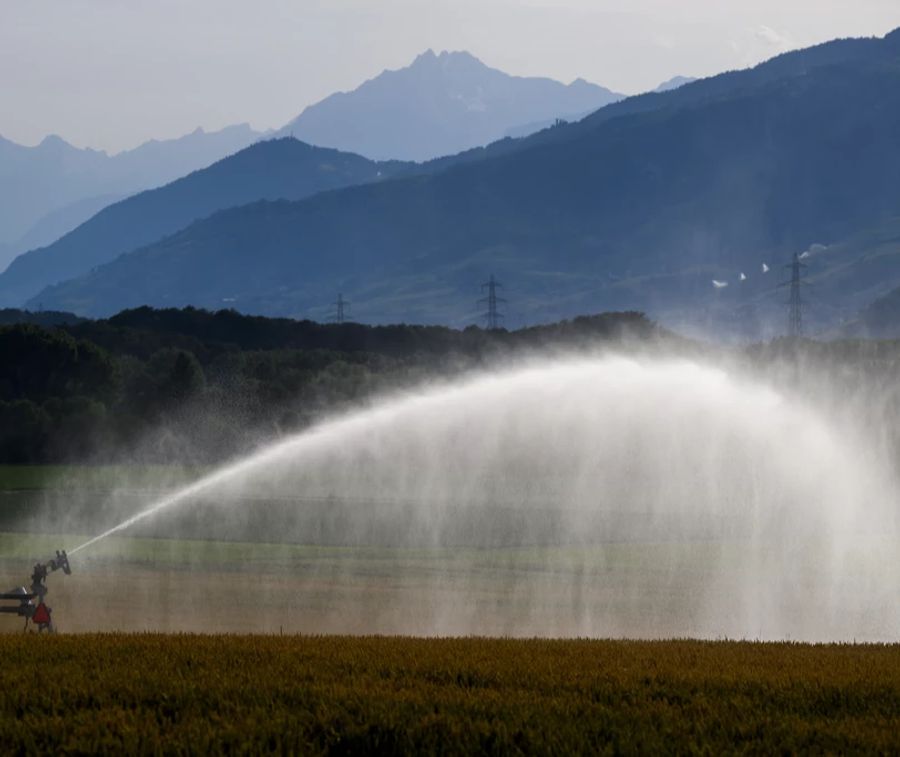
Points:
x=576 y=454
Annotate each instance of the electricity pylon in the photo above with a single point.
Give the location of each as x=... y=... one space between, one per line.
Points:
x=795 y=301
x=340 y=307
x=493 y=317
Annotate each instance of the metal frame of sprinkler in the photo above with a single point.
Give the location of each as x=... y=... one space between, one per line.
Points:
x=38 y=614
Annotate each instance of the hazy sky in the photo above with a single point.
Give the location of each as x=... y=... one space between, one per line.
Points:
x=112 y=73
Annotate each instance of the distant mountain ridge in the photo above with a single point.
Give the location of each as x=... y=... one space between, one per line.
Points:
x=530 y=128
x=72 y=251
x=639 y=205
x=275 y=169
x=439 y=105
x=674 y=83
x=66 y=184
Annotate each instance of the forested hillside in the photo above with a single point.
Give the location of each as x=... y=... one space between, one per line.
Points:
x=198 y=386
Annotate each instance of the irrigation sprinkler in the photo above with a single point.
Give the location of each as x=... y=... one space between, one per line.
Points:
x=31 y=605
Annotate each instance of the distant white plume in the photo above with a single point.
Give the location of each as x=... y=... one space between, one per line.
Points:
x=813 y=249
x=743 y=276
x=719 y=284
x=765 y=268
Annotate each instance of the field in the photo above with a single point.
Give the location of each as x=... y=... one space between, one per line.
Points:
x=264 y=678
x=166 y=578
x=180 y=585
x=134 y=583
x=349 y=695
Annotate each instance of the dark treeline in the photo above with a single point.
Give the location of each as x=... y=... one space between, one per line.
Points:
x=196 y=386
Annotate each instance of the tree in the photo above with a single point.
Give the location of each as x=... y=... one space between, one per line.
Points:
x=24 y=428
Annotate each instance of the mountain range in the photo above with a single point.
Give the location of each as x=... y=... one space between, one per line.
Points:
x=441 y=104
x=431 y=86
x=640 y=205
x=267 y=170
x=51 y=188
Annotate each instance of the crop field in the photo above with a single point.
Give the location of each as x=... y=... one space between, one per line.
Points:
x=149 y=693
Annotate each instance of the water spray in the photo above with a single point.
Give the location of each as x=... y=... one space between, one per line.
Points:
x=588 y=459
x=37 y=613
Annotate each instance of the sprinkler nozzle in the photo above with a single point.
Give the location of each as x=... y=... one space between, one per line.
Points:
x=61 y=561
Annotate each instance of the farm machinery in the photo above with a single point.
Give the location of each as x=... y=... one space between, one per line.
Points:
x=30 y=603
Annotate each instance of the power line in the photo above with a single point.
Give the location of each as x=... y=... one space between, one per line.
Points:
x=493 y=317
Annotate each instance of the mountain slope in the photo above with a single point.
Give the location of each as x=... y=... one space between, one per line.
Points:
x=674 y=83
x=50 y=227
x=866 y=265
x=439 y=105
x=638 y=206
x=854 y=51
x=284 y=168
x=36 y=181
x=525 y=130
x=881 y=319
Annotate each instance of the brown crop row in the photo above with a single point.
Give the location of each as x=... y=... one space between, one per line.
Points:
x=132 y=694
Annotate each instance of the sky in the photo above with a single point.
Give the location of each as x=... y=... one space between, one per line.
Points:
x=110 y=74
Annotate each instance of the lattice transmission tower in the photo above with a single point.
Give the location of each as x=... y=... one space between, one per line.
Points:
x=492 y=316
x=795 y=300
x=340 y=309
